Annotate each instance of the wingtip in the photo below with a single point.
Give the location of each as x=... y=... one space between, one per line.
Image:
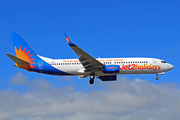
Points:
x=66 y=34
x=69 y=41
x=67 y=38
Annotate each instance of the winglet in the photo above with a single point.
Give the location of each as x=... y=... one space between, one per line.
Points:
x=69 y=41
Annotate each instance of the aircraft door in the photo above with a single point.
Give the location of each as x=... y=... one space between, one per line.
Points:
x=154 y=64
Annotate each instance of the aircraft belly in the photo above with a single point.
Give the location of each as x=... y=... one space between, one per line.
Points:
x=69 y=69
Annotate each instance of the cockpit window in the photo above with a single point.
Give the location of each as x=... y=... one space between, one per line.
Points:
x=163 y=61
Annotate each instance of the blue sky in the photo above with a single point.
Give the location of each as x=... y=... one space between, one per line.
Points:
x=102 y=28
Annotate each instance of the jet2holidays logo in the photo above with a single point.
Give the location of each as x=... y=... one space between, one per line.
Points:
x=140 y=67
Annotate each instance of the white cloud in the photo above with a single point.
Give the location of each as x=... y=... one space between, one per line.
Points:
x=121 y=100
x=18 y=79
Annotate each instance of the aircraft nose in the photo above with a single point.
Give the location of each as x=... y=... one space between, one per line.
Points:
x=171 y=66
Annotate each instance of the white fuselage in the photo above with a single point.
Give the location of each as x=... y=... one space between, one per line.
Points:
x=127 y=65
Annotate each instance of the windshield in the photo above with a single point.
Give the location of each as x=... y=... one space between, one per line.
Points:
x=163 y=61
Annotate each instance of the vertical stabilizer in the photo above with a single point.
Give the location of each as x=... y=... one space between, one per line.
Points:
x=23 y=51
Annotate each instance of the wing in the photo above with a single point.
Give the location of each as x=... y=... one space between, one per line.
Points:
x=89 y=63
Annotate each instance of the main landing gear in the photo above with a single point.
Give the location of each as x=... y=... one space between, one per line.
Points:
x=91 y=81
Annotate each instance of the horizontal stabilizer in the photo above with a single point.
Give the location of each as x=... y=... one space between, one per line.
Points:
x=17 y=60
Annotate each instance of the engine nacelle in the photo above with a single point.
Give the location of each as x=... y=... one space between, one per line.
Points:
x=111 y=69
x=108 y=78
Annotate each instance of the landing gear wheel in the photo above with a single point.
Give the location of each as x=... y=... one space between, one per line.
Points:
x=91 y=81
x=91 y=77
x=157 y=78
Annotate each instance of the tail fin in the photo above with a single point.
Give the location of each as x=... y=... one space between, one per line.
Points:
x=27 y=59
x=23 y=51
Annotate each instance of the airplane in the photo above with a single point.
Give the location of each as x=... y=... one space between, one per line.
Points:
x=106 y=69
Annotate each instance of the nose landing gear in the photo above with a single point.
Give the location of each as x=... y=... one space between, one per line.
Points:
x=162 y=73
x=157 y=78
x=91 y=81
